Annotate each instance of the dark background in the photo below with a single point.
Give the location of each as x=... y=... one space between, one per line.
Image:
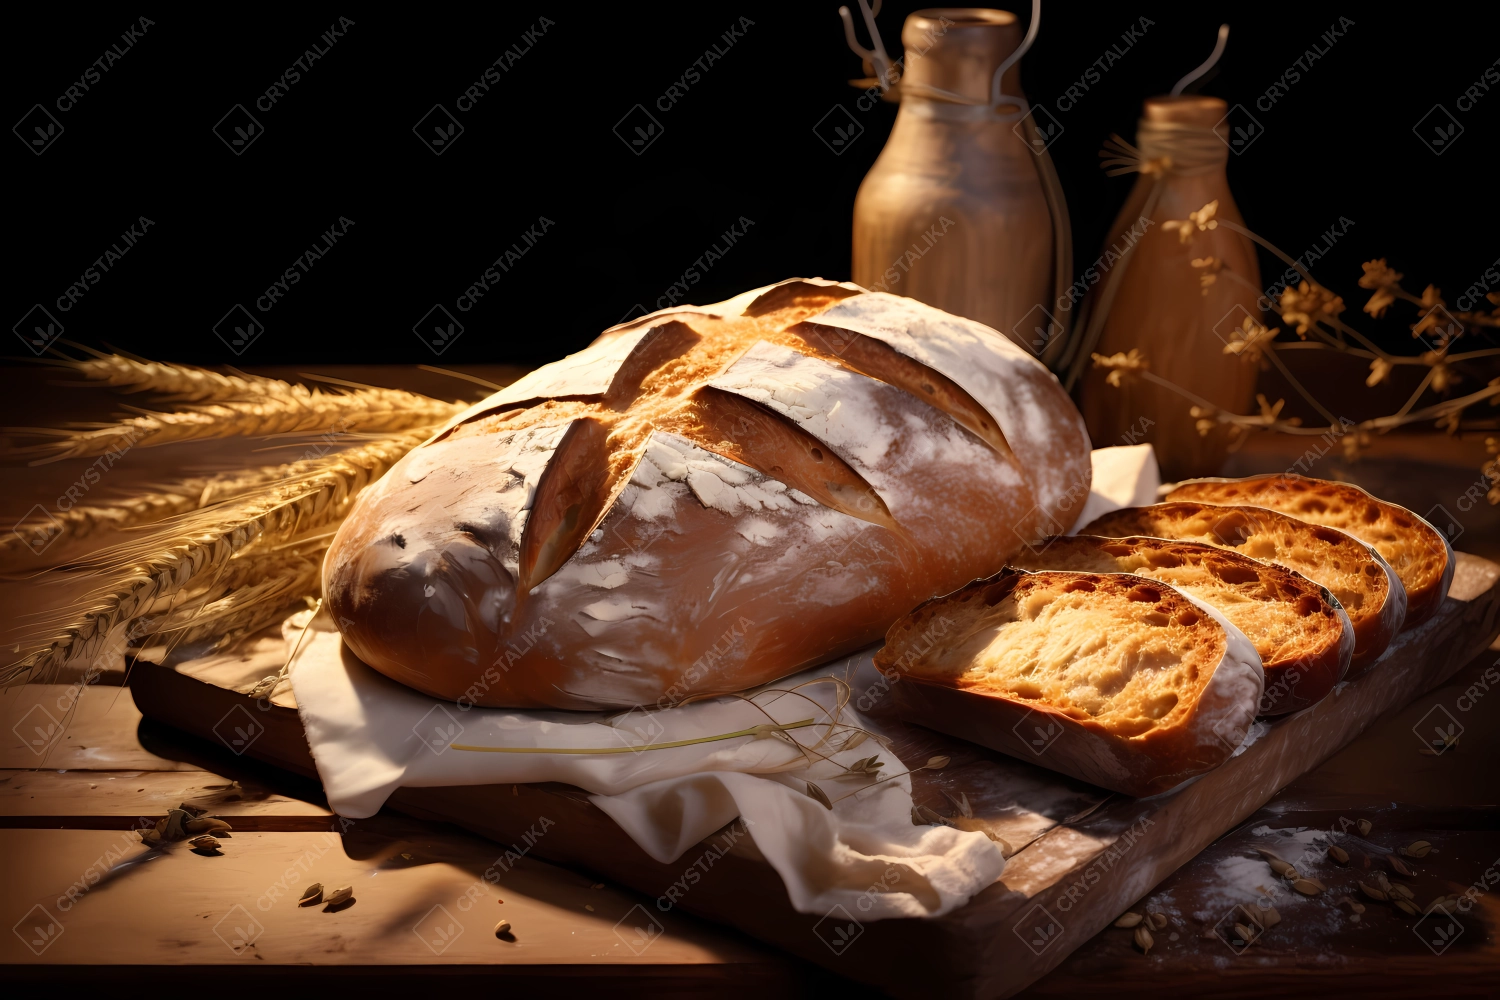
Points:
x=625 y=226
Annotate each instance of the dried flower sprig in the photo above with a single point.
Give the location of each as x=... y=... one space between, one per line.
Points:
x=1314 y=312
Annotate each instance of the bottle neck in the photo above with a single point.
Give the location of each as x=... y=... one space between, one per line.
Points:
x=1180 y=149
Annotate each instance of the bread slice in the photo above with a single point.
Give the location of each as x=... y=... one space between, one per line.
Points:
x=1418 y=552
x=1303 y=636
x=1362 y=582
x=1112 y=678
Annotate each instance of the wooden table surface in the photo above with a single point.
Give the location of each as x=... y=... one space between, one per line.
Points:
x=89 y=903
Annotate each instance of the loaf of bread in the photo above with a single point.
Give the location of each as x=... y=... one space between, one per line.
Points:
x=1303 y=637
x=1113 y=678
x=1363 y=583
x=1418 y=552
x=706 y=499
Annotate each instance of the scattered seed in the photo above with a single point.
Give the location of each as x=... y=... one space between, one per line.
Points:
x=1398 y=866
x=312 y=894
x=502 y=928
x=1399 y=891
x=1158 y=921
x=1244 y=933
x=586 y=906
x=1270 y=918
x=1381 y=882
x=1371 y=891
x=1307 y=887
x=1143 y=939
x=1418 y=849
x=406 y=856
x=1269 y=855
x=818 y=795
x=939 y=762
x=597 y=885
x=204 y=843
x=1282 y=868
x=1338 y=854
x=342 y=894
x=1406 y=908
x=1365 y=826
x=1128 y=920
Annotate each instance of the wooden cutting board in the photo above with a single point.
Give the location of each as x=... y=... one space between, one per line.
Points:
x=1079 y=856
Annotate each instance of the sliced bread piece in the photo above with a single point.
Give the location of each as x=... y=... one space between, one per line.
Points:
x=1418 y=552
x=1302 y=635
x=1115 y=679
x=1364 y=584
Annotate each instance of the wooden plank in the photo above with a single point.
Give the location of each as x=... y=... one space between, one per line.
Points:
x=422 y=897
x=1070 y=875
x=26 y=795
x=72 y=727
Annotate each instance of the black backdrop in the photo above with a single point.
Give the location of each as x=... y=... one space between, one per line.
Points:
x=620 y=227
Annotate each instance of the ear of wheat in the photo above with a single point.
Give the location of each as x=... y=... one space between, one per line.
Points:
x=217 y=557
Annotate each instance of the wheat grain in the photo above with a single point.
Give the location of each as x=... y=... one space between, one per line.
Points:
x=167 y=500
x=187 y=383
x=360 y=410
x=166 y=565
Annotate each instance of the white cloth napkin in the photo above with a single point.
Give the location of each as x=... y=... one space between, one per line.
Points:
x=370 y=735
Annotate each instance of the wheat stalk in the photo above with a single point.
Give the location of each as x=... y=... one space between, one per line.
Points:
x=242 y=610
x=362 y=410
x=169 y=499
x=186 y=383
x=167 y=564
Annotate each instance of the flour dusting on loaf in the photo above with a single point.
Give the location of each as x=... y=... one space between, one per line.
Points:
x=706 y=499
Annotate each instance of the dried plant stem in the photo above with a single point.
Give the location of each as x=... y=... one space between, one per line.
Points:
x=243 y=609
x=364 y=410
x=192 y=551
x=173 y=498
x=186 y=383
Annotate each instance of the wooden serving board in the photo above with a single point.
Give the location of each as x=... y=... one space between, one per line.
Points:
x=1079 y=856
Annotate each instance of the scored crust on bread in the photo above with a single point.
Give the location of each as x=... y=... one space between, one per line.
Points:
x=1418 y=552
x=1116 y=679
x=704 y=500
x=1364 y=585
x=1303 y=637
